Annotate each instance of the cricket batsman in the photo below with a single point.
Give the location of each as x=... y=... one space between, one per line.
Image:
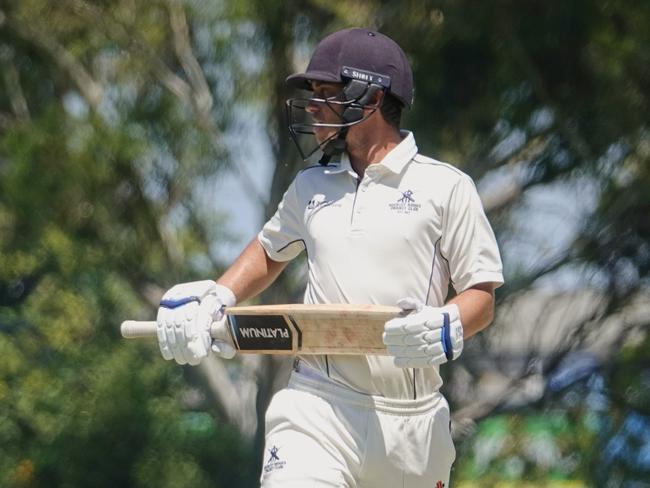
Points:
x=380 y=224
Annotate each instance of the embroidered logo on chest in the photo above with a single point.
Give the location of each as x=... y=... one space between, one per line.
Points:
x=405 y=204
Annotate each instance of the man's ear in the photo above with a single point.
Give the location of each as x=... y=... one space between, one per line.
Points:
x=373 y=96
x=378 y=97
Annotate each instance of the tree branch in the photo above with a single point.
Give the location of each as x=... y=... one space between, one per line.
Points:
x=89 y=88
x=201 y=96
x=6 y=120
x=195 y=94
x=12 y=82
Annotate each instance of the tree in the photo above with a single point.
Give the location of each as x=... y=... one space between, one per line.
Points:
x=108 y=124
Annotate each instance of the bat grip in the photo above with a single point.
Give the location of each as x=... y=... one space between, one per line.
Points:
x=136 y=329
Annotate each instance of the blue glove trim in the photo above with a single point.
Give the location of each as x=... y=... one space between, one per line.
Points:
x=447 y=346
x=178 y=302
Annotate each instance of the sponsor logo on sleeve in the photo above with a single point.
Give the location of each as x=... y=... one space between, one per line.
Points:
x=317 y=201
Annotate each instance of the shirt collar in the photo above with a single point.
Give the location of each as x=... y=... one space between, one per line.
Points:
x=343 y=165
x=401 y=154
x=394 y=161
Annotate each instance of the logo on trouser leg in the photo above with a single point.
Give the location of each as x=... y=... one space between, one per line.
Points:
x=274 y=461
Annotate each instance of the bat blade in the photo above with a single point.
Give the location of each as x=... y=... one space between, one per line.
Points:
x=310 y=329
x=296 y=328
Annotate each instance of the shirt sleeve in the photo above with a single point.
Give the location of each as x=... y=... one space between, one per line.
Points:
x=468 y=242
x=282 y=236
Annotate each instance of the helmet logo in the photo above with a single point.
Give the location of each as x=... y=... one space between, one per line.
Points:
x=361 y=76
x=367 y=76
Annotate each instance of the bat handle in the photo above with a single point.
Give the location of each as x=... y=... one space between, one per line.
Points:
x=136 y=329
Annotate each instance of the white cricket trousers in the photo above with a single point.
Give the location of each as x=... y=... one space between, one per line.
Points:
x=320 y=434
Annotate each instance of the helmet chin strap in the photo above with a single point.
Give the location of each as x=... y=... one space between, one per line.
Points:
x=334 y=147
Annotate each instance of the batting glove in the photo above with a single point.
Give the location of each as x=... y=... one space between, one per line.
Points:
x=185 y=315
x=427 y=336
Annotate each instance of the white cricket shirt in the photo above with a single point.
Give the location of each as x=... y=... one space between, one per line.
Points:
x=409 y=228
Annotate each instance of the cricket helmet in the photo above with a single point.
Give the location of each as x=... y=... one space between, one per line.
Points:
x=365 y=62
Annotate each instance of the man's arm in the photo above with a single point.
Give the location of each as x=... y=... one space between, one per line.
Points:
x=476 y=307
x=252 y=272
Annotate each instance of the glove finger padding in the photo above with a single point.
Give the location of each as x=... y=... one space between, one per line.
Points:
x=184 y=319
x=178 y=305
x=198 y=344
x=428 y=337
x=395 y=329
x=174 y=322
x=163 y=343
x=425 y=336
x=412 y=329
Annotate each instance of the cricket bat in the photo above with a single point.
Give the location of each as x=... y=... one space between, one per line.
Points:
x=295 y=328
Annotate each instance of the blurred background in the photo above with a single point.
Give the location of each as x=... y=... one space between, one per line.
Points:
x=144 y=144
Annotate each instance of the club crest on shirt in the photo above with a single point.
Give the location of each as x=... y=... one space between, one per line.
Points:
x=405 y=204
x=274 y=461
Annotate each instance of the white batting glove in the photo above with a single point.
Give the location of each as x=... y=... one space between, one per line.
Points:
x=427 y=336
x=185 y=315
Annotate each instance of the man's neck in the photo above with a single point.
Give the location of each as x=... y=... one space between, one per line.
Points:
x=372 y=149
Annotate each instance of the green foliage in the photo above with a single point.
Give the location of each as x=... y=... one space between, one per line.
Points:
x=80 y=407
x=95 y=203
x=539 y=446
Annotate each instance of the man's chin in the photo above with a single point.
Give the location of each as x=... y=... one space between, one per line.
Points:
x=323 y=135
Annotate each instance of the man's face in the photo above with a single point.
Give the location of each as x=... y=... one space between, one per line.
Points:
x=324 y=113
